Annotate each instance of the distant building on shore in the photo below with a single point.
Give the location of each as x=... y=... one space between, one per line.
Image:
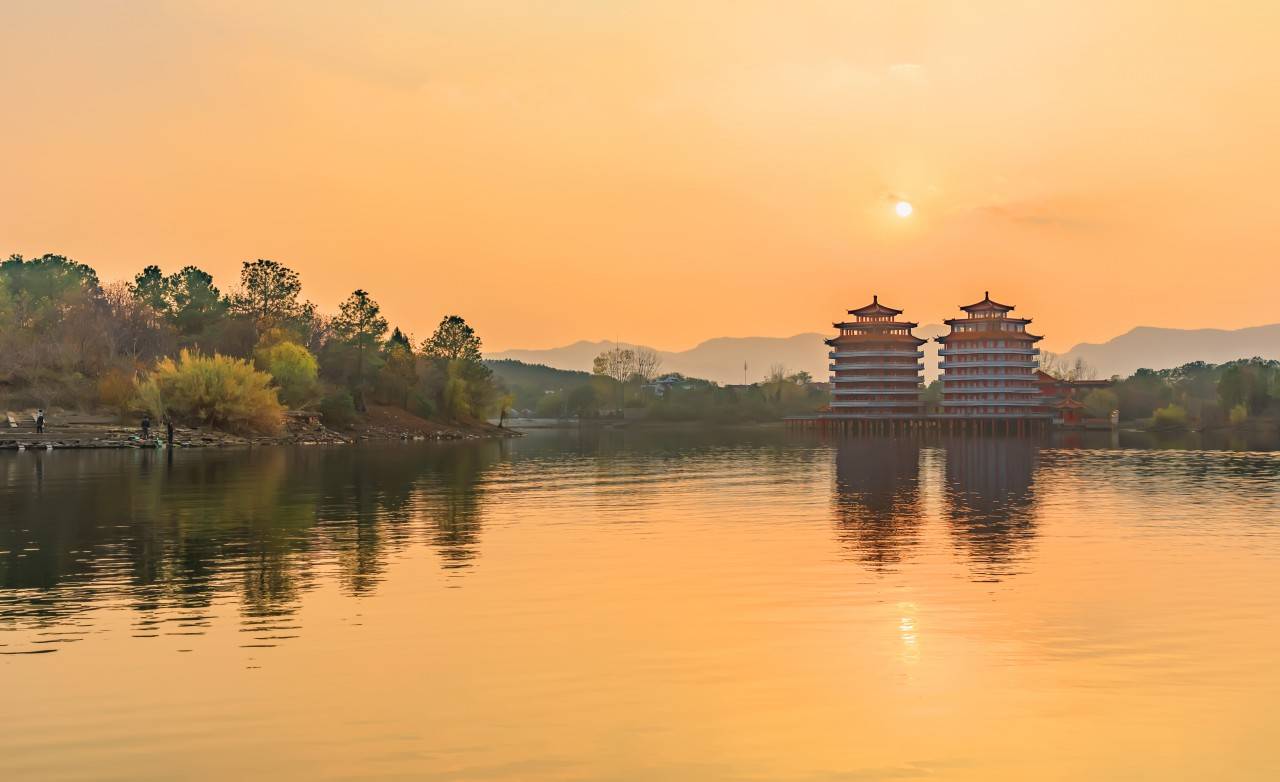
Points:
x=876 y=365
x=991 y=379
x=989 y=363
x=1062 y=399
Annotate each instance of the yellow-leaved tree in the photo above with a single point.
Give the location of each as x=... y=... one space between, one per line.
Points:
x=218 y=391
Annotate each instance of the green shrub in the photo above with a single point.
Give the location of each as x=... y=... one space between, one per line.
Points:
x=219 y=391
x=1239 y=414
x=294 y=370
x=338 y=410
x=1170 y=417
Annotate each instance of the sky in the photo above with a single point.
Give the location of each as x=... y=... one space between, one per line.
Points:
x=662 y=172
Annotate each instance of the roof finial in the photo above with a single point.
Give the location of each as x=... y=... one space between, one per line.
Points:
x=875 y=299
x=986 y=295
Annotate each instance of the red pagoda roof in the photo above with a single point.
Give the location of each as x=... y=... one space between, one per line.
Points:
x=987 y=304
x=875 y=308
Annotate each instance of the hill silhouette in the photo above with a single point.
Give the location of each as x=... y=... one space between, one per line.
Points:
x=721 y=359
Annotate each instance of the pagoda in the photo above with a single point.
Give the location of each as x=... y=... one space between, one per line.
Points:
x=988 y=364
x=876 y=365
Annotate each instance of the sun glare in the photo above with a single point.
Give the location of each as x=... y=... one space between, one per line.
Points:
x=903 y=208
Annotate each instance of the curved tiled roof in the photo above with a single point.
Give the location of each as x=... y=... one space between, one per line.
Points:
x=987 y=304
x=875 y=308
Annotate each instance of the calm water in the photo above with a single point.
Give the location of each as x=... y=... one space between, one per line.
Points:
x=658 y=606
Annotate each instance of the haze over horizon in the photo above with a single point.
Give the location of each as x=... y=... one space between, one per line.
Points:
x=665 y=173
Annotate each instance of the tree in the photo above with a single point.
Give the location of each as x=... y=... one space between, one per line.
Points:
x=933 y=393
x=1058 y=366
x=195 y=304
x=149 y=287
x=647 y=363
x=43 y=290
x=216 y=391
x=1141 y=393
x=294 y=370
x=1099 y=402
x=1247 y=383
x=268 y=294
x=398 y=374
x=504 y=404
x=457 y=402
x=582 y=401
x=398 y=337
x=130 y=328
x=620 y=364
x=453 y=340
x=360 y=324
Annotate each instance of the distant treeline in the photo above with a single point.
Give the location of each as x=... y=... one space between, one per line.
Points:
x=626 y=379
x=1200 y=394
x=175 y=345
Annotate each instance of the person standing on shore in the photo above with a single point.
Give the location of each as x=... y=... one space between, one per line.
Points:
x=168 y=430
x=146 y=426
x=40 y=421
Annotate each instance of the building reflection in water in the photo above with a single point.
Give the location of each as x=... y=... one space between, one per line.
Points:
x=877 y=498
x=989 y=500
x=986 y=493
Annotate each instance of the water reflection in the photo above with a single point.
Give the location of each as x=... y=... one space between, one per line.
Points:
x=986 y=492
x=989 y=500
x=641 y=605
x=170 y=536
x=877 y=498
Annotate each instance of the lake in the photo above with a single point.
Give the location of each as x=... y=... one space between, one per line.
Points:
x=733 y=605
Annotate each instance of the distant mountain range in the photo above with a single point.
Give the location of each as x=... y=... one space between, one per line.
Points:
x=1159 y=348
x=722 y=359
x=719 y=359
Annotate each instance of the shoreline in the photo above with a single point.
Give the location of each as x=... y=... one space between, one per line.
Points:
x=104 y=436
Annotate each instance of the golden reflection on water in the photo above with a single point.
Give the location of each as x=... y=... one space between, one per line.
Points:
x=627 y=607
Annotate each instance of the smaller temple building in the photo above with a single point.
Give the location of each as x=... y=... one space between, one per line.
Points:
x=1062 y=399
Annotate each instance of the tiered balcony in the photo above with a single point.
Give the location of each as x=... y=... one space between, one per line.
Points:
x=875 y=353
x=876 y=365
x=990 y=389
x=1030 y=364
x=979 y=351
x=1014 y=402
x=878 y=403
x=875 y=391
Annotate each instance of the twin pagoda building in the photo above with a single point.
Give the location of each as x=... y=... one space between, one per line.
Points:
x=988 y=364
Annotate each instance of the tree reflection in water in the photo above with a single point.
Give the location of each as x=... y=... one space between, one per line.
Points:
x=169 y=534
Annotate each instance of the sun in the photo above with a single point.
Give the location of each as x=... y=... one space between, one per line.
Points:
x=903 y=208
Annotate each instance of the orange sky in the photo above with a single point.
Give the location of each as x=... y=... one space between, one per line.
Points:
x=662 y=172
